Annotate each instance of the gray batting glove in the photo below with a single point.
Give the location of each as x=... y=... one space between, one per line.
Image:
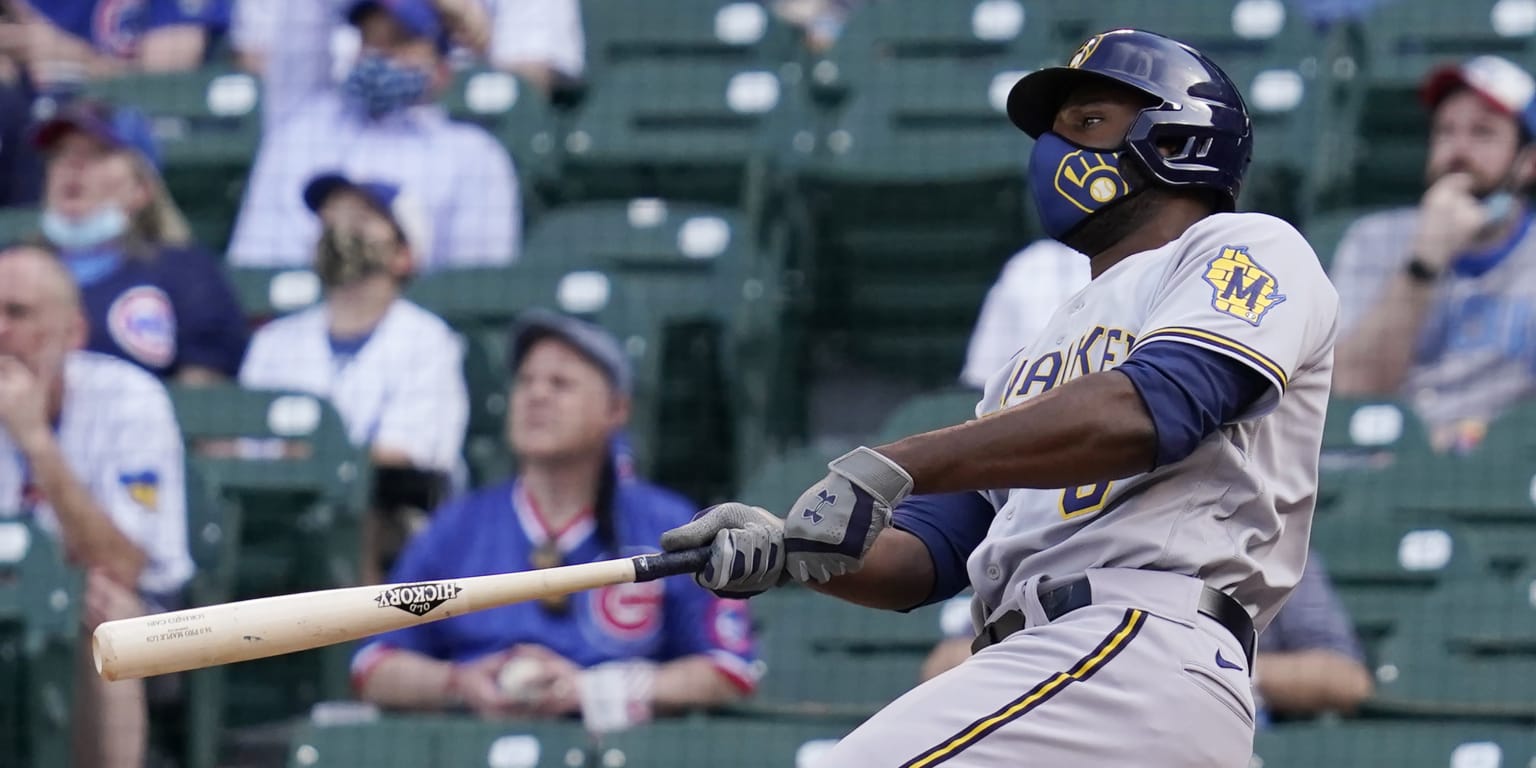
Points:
x=747 y=549
x=835 y=522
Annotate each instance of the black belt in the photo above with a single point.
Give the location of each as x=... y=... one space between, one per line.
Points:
x=1062 y=600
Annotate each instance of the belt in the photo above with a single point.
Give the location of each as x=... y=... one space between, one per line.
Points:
x=1062 y=600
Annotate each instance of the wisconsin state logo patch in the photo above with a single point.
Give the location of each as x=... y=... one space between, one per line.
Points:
x=143 y=487
x=1240 y=286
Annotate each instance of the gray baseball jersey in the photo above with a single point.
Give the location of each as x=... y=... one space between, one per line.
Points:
x=1476 y=353
x=1236 y=513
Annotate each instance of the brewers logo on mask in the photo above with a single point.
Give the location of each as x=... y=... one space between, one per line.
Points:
x=1089 y=179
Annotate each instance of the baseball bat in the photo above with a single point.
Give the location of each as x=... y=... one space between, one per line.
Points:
x=270 y=626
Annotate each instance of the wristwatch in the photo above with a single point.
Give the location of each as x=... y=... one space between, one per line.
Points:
x=1422 y=272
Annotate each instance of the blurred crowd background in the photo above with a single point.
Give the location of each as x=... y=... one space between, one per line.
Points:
x=302 y=294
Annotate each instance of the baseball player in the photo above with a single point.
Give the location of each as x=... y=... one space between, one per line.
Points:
x=1135 y=495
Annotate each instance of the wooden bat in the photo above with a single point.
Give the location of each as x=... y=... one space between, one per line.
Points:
x=269 y=626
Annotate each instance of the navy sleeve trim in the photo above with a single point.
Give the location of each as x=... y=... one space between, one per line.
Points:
x=951 y=526
x=1190 y=392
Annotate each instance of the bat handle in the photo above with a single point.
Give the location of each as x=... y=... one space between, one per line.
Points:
x=652 y=567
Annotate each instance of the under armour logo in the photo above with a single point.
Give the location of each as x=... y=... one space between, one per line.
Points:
x=827 y=499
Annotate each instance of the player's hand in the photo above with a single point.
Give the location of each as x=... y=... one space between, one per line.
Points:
x=23 y=406
x=476 y=684
x=1450 y=218
x=747 y=556
x=835 y=522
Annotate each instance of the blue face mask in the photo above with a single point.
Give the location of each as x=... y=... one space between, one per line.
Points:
x=380 y=86
x=1071 y=182
x=105 y=223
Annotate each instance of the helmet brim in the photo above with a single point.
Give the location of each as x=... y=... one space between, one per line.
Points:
x=1036 y=98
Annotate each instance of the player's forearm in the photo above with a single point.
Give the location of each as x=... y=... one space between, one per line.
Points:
x=1309 y=682
x=1375 y=358
x=897 y=574
x=1088 y=430
x=691 y=682
x=409 y=680
x=89 y=535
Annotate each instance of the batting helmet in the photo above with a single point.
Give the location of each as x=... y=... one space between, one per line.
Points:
x=1201 y=112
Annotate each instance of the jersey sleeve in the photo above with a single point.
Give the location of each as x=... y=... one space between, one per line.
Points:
x=698 y=623
x=1254 y=293
x=140 y=485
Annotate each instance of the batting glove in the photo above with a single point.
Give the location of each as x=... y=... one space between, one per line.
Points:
x=747 y=555
x=835 y=522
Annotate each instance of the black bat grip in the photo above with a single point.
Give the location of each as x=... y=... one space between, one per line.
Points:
x=660 y=566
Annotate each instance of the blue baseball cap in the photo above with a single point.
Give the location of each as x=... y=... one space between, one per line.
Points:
x=593 y=342
x=419 y=17
x=388 y=198
x=116 y=127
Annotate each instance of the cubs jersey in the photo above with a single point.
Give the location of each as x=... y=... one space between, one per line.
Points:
x=119 y=436
x=1476 y=351
x=401 y=387
x=114 y=26
x=1237 y=511
x=173 y=310
x=499 y=529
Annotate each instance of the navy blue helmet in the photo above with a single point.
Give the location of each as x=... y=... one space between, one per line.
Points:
x=1201 y=112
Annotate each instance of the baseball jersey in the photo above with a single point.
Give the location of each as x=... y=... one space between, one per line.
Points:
x=114 y=26
x=401 y=386
x=1237 y=511
x=497 y=530
x=119 y=436
x=1018 y=305
x=160 y=313
x=1476 y=352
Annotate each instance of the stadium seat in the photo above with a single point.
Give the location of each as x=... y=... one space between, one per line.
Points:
x=779 y=481
x=620 y=33
x=301 y=518
x=695 y=130
x=39 y=629
x=1325 y=230
x=1397 y=744
x=519 y=116
x=265 y=293
x=207 y=123
x=1384 y=566
x=930 y=411
x=1361 y=438
x=1420 y=673
x=707 y=742
x=18 y=223
x=825 y=656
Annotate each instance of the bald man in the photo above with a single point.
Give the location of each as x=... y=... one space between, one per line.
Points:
x=90 y=450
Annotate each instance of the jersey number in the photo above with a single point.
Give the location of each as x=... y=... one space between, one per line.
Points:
x=1083 y=499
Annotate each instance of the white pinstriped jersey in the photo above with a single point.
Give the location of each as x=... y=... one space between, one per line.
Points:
x=1237 y=511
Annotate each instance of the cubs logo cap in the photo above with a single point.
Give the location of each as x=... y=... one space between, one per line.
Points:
x=402 y=209
x=1501 y=83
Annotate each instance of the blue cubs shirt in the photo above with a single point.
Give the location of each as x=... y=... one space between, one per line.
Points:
x=114 y=26
x=496 y=530
x=163 y=313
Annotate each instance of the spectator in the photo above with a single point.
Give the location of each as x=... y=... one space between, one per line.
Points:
x=63 y=41
x=1033 y=284
x=539 y=40
x=89 y=447
x=665 y=645
x=393 y=370
x=820 y=21
x=382 y=124
x=1437 y=301
x=1308 y=662
x=21 y=168
x=153 y=298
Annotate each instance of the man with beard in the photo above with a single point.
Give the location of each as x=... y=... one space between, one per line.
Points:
x=1438 y=302
x=383 y=123
x=1135 y=496
x=393 y=370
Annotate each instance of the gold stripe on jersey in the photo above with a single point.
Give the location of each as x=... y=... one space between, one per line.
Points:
x=1111 y=646
x=1263 y=363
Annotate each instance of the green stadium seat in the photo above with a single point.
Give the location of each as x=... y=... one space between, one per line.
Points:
x=1419 y=744
x=520 y=117
x=927 y=412
x=301 y=518
x=265 y=293
x=780 y=480
x=18 y=224
x=1487 y=485
x=1326 y=229
x=706 y=742
x=1384 y=566
x=1488 y=617
x=378 y=743
x=208 y=126
x=620 y=33
x=39 y=633
x=1419 y=673
x=696 y=130
x=1361 y=438
x=830 y=657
